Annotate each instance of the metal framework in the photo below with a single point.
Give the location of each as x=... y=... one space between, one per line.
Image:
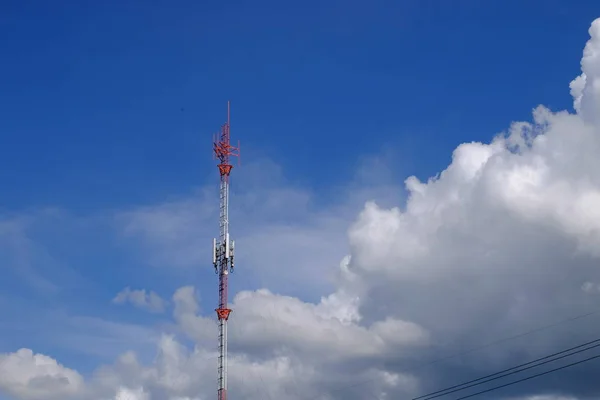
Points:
x=223 y=248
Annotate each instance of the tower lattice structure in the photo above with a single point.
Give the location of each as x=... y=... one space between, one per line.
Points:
x=223 y=248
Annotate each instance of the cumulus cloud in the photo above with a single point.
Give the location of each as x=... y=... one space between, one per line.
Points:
x=129 y=394
x=585 y=89
x=30 y=376
x=140 y=298
x=505 y=239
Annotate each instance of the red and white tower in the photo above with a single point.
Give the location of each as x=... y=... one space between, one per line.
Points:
x=223 y=249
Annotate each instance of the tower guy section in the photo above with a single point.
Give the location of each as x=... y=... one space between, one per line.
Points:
x=223 y=248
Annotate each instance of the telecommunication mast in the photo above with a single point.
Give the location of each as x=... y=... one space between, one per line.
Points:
x=223 y=248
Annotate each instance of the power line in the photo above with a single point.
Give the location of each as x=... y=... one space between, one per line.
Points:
x=490 y=344
x=530 y=377
x=514 y=370
x=474 y=349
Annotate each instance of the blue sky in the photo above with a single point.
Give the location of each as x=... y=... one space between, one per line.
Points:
x=106 y=107
x=92 y=94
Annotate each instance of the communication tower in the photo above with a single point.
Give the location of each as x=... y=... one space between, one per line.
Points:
x=223 y=248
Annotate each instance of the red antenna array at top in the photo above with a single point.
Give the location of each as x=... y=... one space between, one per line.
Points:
x=223 y=148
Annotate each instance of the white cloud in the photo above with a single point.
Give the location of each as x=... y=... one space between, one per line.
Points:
x=503 y=240
x=140 y=298
x=282 y=324
x=586 y=88
x=266 y=219
x=129 y=394
x=30 y=376
x=186 y=314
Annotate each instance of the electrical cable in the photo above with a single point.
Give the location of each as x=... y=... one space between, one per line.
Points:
x=477 y=348
x=529 y=377
x=514 y=370
x=490 y=344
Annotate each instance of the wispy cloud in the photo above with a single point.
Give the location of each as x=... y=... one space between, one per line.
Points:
x=140 y=298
